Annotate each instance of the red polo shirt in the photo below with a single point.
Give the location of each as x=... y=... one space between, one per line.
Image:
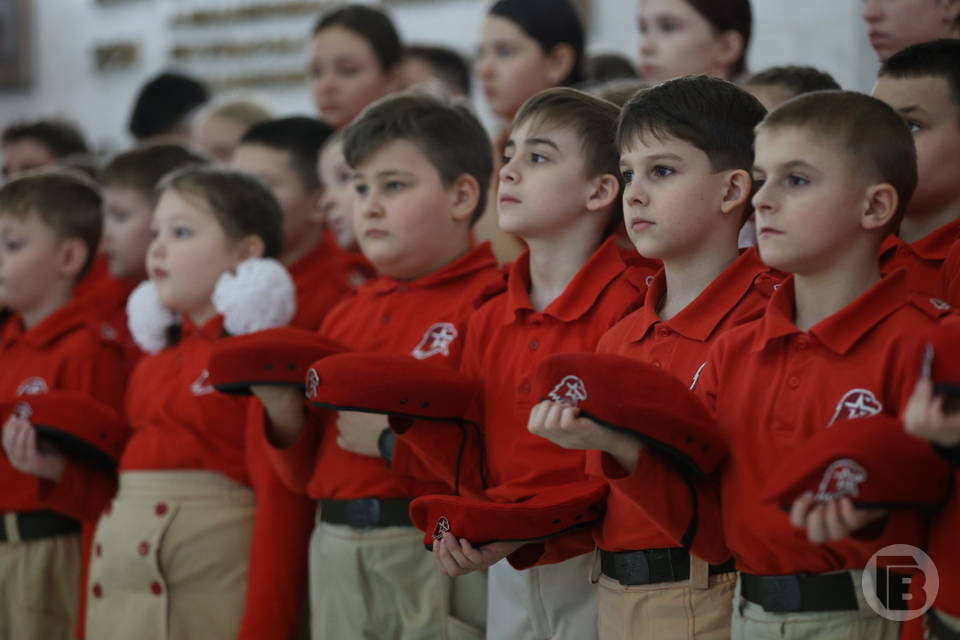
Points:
x=179 y=421
x=67 y=350
x=106 y=299
x=950 y=275
x=426 y=318
x=679 y=345
x=923 y=259
x=322 y=278
x=507 y=339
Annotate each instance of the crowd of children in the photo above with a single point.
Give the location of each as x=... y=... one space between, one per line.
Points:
x=787 y=250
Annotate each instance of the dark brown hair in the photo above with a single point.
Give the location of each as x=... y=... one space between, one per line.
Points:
x=934 y=59
x=593 y=119
x=729 y=15
x=874 y=136
x=448 y=135
x=66 y=202
x=61 y=137
x=798 y=79
x=372 y=25
x=242 y=204
x=142 y=168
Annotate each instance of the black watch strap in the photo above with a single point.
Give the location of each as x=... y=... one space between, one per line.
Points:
x=386 y=444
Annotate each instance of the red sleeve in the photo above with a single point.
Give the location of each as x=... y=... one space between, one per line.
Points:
x=83 y=492
x=294 y=464
x=664 y=496
x=283 y=523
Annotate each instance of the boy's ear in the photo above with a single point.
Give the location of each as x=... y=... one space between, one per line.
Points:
x=465 y=195
x=730 y=46
x=604 y=192
x=880 y=207
x=560 y=62
x=737 y=191
x=73 y=256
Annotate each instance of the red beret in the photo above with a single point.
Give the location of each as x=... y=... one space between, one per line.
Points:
x=638 y=399
x=278 y=357
x=394 y=385
x=78 y=424
x=549 y=513
x=871 y=459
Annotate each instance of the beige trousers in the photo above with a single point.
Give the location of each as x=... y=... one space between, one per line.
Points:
x=382 y=583
x=39 y=588
x=695 y=609
x=751 y=622
x=170 y=558
x=555 y=601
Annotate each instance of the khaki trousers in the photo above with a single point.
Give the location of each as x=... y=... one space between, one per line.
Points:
x=40 y=588
x=695 y=609
x=170 y=558
x=751 y=622
x=381 y=583
x=555 y=601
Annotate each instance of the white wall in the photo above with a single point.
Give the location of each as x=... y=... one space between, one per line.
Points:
x=825 y=33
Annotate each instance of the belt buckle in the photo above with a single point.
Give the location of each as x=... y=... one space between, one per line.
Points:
x=661 y=565
x=782 y=594
x=363 y=513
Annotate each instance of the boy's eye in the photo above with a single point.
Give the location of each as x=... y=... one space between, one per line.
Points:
x=118 y=216
x=182 y=232
x=627 y=176
x=505 y=159
x=536 y=158
x=668 y=24
x=361 y=189
x=394 y=185
x=661 y=171
x=12 y=245
x=915 y=127
x=503 y=51
x=797 y=181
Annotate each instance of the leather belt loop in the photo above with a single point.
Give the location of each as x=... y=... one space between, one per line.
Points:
x=699 y=573
x=10 y=525
x=595 y=566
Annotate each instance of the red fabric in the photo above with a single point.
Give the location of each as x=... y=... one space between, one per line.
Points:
x=283 y=523
x=323 y=278
x=950 y=276
x=773 y=387
x=923 y=259
x=389 y=316
x=679 y=345
x=480 y=521
x=179 y=421
x=76 y=414
x=65 y=351
x=859 y=459
x=506 y=342
x=279 y=356
x=106 y=299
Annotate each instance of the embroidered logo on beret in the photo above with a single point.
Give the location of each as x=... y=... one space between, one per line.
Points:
x=23 y=410
x=443 y=526
x=856 y=403
x=199 y=387
x=570 y=391
x=313 y=383
x=435 y=341
x=939 y=304
x=32 y=386
x=841 y=479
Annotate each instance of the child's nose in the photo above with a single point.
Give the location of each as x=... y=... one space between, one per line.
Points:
x=634 y=195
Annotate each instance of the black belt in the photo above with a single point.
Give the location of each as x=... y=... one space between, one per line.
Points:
x=652 y=566
x=36 y=525
x=366 y=513
x=939 y=629
x=798 y=593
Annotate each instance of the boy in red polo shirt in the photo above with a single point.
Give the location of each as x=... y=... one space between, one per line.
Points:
x=129 y=183
x=686 y=151
x=422 y=171
x=49 y=230
x=559 y=192
x=922 y=83
x=283 y=154
x=837 y=170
